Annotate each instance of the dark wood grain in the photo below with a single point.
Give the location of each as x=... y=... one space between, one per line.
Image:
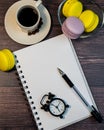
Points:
x=15 y=113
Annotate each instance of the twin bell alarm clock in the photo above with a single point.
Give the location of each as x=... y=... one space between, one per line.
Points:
x=55 y=106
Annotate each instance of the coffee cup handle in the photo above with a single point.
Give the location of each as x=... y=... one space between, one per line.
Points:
x=38 y=2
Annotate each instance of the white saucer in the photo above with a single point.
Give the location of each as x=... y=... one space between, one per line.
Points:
x=15 y=32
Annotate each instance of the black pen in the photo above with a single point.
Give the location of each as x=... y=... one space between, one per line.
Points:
x=91 y=108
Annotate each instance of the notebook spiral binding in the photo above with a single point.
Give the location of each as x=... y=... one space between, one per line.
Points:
x=28 y=94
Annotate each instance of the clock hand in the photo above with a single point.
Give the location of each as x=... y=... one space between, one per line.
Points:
x=54 y=105
x=58 y=109
x=58 y=104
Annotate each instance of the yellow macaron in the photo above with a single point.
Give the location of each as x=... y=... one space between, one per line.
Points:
x=66 y=7
x=7 y=60
x=89 y=19
x=93 y=27
x=3 y=62
x=72 y=8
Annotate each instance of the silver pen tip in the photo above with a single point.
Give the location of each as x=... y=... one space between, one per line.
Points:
x=60 y=71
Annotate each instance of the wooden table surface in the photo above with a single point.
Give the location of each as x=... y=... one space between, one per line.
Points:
x=15 y=113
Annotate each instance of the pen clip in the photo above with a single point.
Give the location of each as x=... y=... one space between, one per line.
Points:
x=97 y=115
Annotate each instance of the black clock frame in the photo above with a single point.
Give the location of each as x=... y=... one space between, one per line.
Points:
x=46 y=104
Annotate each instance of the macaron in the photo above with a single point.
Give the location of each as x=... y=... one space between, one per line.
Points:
x=89 y=19
x=7 y=60
x=72 y=8
x=66 y=6
x=72 y=27
x=93 y=27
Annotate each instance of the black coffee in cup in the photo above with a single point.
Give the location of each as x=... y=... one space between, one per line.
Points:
x=27 y=16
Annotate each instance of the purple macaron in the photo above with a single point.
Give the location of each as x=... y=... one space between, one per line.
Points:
x=72 y=27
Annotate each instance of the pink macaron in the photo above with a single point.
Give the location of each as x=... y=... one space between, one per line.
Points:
x=72 y=27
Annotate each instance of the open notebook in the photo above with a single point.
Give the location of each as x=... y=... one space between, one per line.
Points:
x=37 y=68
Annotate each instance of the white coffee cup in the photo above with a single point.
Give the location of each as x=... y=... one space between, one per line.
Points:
x=28 y=15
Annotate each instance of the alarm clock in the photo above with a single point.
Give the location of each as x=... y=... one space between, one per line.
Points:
x=55 y=106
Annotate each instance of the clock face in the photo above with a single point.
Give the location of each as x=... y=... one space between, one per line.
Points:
x=57 y=107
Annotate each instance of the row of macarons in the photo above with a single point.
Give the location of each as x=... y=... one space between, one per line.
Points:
x=78 y=20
